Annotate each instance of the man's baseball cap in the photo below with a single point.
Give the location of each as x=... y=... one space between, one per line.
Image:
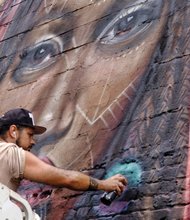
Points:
x=23 y=117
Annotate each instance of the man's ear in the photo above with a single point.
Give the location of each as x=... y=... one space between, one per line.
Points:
x=13 y=131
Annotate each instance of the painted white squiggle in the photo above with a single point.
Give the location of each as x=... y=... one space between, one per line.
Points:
x=115 y=102
x=75 y=44
x=104 y=121
x=127 y=96
x=63 y=4
x=113 y=115
x=85 y=151
x=103 y=92
x=48 y=7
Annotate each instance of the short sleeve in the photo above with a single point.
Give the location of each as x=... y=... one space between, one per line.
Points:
x=16 y=161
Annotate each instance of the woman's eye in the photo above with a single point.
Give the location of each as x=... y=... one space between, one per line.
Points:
x=123 y=25
x=130 y=23
x=42 y=53
x=36 y=58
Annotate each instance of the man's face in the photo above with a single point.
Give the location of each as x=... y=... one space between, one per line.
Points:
x=25 y=138
x=82 y=69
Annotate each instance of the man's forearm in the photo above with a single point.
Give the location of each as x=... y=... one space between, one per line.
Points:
x=38 y=171
x=80 y=181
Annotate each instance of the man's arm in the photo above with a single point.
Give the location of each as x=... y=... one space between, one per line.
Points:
x=39 y=171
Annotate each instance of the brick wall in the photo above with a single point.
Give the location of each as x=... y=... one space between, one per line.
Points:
x=110 y=81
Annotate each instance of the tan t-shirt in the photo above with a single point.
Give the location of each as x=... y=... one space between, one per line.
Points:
x=12 y=161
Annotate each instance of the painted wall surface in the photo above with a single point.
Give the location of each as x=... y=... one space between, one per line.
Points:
x=110 y=81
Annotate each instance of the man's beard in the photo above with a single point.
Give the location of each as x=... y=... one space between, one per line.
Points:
x=18 y=142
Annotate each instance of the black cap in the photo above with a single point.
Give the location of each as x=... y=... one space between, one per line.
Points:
x=23 y=117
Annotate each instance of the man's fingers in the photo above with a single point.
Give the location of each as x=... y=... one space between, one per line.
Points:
x=118 y=183
x=120 y=187
x=121 y=178
x=118 y=190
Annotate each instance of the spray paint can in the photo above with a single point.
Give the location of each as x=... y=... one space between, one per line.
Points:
x=107 y=198
x=132 y=171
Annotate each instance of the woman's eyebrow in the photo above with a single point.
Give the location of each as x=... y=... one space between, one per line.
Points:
x=53 y=16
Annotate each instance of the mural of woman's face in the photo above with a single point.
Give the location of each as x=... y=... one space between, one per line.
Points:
x=79 y=71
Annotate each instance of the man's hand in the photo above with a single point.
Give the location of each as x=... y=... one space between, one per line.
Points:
x=115 y=183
